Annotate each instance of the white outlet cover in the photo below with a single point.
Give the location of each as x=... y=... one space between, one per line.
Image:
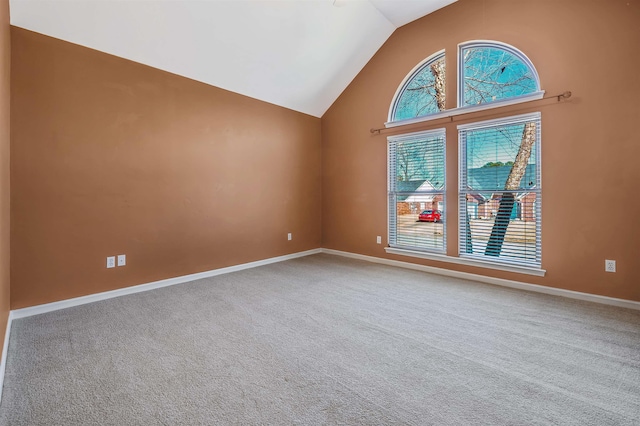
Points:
x=610 y=265
x=289 y=236
x=122 y=259
x=379 y=239
x=111 y=262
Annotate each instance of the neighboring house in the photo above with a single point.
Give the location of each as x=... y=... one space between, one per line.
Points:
x=481 y=206
x=492 y=179
x=415 y=203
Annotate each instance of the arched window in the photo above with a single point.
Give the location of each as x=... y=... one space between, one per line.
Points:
x=491 y=71
x=422 y=92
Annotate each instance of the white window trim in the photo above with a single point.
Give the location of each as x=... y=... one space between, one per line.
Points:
x=498 y=45
x=467 y=262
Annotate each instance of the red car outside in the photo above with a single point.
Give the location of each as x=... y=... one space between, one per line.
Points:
x=430 y=216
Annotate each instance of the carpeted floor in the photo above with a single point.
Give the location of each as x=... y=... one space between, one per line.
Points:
x=326 y=340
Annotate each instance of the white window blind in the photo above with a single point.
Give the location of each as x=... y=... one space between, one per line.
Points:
x=500 y=190
x=416 y=173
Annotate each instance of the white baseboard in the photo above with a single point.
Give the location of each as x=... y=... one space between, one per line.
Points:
x=5 y=349
x=623 y=303
x=68 y=303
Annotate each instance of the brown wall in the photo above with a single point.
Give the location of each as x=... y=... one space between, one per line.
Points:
x=5 y=86
x=112 y=157
x=590 y=144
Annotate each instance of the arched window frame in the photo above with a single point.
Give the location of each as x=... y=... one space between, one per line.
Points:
x=403 y=85
x=538 y=94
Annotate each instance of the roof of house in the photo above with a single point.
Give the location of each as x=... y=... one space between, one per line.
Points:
x=415 y=186
x=408 y=186
x=493 y=179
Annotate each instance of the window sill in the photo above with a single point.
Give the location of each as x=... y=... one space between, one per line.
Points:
x=450 y=113
x=468 y=262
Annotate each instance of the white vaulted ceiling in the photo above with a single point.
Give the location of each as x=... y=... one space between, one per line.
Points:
x=299 y=54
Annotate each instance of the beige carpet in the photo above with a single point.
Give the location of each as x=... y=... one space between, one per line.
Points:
x=326 y=340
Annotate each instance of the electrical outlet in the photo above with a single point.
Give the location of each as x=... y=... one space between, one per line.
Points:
x=122 y=259
x=289 y=236
x=610 y=265
x=111 y=262
x=379 y=239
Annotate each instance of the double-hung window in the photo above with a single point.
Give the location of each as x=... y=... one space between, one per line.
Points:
x=500 y=190
x=417 y=191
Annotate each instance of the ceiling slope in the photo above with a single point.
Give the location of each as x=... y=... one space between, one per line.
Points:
x=299 y=54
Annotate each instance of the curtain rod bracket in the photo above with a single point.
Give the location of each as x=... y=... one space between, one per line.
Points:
x=565 y=95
